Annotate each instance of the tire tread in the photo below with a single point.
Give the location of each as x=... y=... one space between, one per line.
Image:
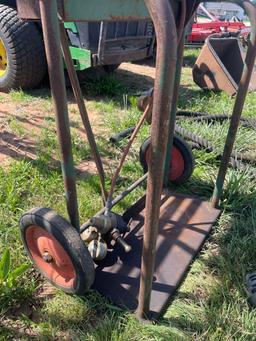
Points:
x=25 y=51
x=69 y=238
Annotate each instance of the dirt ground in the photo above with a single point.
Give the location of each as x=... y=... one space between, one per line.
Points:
x=31 y=115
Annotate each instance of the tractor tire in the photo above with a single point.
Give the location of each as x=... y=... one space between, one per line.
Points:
x=22 y=55
x=111 y=68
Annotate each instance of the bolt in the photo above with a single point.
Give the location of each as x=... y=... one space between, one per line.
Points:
x=47 y=257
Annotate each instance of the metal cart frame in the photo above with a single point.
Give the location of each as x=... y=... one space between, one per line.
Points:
x=169 y=18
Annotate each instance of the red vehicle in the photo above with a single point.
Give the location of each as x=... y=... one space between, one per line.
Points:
x=201 y=30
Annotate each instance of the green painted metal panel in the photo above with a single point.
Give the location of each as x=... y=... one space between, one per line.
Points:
x=95 y=10
x=107 y=10
x=71 y=26
x=81 y=57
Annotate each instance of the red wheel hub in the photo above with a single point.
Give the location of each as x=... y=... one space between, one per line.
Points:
x=178 y=164
x=50 y=257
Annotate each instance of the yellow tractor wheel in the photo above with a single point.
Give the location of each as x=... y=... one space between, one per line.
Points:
x=3 y=59
x=22 y=55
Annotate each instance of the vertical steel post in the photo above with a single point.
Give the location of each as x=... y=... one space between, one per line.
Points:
x=239 y=103
x=168 y=160
x=82 y=109
x=102 y=39
x=162 y=15
x=51 y=34
x=180 y=52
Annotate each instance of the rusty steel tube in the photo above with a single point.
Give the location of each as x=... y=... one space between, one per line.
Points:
x=168 y=161
x=124 y=155
x=119 y=198
x=163 y=18
x=102 y=39
x=239 y=102
x=51 y=34
x=82 y=109
x=181 y=20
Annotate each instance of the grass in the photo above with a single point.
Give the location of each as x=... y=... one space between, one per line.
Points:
x=211 y=303
x=21 y=96
x=106 y=85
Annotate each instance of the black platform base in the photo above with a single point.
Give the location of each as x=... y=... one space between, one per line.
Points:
x=185 y=223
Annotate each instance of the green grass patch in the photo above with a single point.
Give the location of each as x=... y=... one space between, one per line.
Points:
x=107 y=86
x=20 y=96
x=211 y=303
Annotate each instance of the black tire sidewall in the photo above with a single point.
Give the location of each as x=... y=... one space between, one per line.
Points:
x=143 y=150
x=188 y=157
x=185 y=151
x=25 y=51
x=69 y=239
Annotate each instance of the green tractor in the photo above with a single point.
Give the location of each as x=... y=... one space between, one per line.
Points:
x=22 y=56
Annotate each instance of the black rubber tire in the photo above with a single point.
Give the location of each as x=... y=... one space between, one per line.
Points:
x=111 y=68
x=25 y=52
x=69 y=239
x=185 y=151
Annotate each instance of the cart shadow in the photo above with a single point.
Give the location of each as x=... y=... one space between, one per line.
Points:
x=122 y=270
x=16 y=147
x=125 y=283
x=179 y=322
x=21 y=148
x=27 y=146
x=229 y=264
x=9 y=332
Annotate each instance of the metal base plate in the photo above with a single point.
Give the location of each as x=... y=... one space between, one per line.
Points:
x=185 y=223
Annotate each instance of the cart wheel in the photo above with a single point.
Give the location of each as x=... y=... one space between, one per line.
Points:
x=183 y=162
x=57 y=250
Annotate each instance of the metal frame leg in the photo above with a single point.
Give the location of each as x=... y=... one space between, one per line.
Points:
x=82 y=109
x=162 y=14
x=173 y=111
x=239 y=103
x=51 y=34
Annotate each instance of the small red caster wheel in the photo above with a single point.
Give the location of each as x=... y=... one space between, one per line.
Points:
x=57 y=250
x=183 y=162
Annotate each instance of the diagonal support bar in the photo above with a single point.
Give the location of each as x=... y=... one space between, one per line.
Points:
x=239 y=102
x=82 y=108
